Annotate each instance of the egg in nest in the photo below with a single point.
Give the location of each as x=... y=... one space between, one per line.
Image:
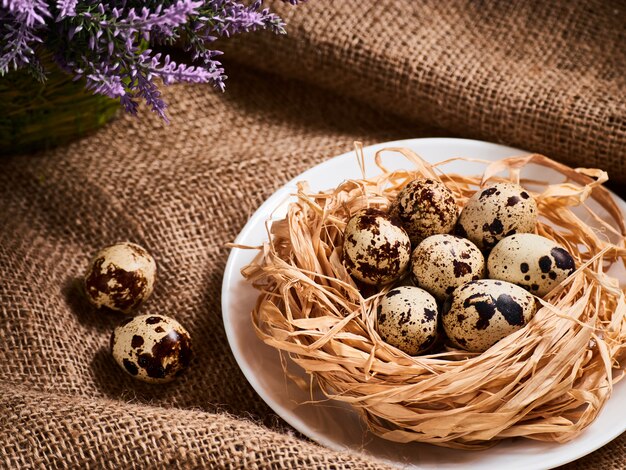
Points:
x=496 y=212
x=407 y=319
x=481 y=313
x=531 y=261
x=441 y=263
x=425 y=207
x=376 y=249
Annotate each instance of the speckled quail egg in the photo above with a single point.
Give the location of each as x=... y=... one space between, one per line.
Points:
x=376 y=249
x=443 y=262
x=480 y=313
x=425 y=207
x=497 y=212
x=531 y=261
x=120 y=277
x=407 y=319
x=151 y=348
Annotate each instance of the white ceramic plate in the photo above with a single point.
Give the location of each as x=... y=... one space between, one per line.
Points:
x=336 y=425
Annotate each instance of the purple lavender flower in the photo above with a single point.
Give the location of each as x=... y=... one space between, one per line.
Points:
x=18 y=44
x=108 y=44
x=30 y=12
x=103 y=81
x=171 y=72
x=163 y=19
x=129 y=104
x=67 y=8
x=146 y=89
x=240 y=18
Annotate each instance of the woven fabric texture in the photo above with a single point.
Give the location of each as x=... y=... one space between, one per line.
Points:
x=550 y=79
x=544 y=76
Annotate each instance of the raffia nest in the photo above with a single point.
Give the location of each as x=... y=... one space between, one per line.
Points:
x=547 y=381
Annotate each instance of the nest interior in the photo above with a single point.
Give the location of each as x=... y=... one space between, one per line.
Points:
x=547 y=381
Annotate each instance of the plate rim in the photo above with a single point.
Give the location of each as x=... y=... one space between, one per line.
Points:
x=230 y=269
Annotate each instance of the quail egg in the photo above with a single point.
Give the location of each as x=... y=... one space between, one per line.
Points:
x=480 y=313
x=120 y=277
x=407 y=319
x=151 y=348
x=531 y=261
x=443 y=262
x=425 y=207
x=376 y=249
x=497 y=212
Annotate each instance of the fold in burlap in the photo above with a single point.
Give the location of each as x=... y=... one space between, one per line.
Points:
x=185 y=190
x=70 y=432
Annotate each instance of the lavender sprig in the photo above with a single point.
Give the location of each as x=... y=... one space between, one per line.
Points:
x=171 y=72
x=67 y=8
x=146 y=89
x=104 y=81
x=109 y=43
x=30 y=12
x=240 y=18
x=17 y=46
x=166 y=20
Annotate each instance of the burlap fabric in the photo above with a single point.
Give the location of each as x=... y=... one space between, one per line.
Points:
x=545 y=76
x=185 y=190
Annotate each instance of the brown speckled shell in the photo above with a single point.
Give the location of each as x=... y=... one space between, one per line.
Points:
x=531 y=261
x=407 y=319
x=496 y=212
x=425 y=207
x=120 y=277
x=376 y=249
x=441 y=263
x=151 y=348
x=481 y=313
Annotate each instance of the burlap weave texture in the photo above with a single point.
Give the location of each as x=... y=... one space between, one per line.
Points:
x=544 y=76
x=350 y=70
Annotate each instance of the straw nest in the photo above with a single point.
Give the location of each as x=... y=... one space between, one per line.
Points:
x=547 y=381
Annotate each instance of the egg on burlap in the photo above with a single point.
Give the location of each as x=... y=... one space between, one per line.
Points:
x=151 y=348
x=120 y=277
